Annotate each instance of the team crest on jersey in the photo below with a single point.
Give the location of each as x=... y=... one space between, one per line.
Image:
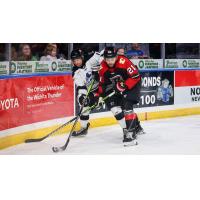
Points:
x=122 y=61
x=114 y=79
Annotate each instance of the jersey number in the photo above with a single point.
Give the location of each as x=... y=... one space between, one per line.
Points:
x=131 y=69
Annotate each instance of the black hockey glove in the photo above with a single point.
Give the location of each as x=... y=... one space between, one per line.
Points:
x=83 y=99
x=94 y=99
x=91 y=100
x=95 y=75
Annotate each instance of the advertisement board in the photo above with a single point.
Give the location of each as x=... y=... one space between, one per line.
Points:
x=187 y=86
x=157 y=88
x=4 y=68
x=25 y=100
x=182 y=63
x=21 y=67
x=145 y=64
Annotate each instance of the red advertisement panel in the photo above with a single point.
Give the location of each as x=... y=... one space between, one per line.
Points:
x=187 y=78
x=34 y=99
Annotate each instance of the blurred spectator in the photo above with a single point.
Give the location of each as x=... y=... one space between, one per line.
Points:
x=170 y=50
x=62 y=51
x=62 y=56
x=121 y=51
x=14 y=54
x=25 y=53
x=38 y=49
x=87 y=46
x=182 y=50
x=54 y=45
x=50 y=53
x=187 y=50
x=136 y=52
x=155 y=50
x=2 y=52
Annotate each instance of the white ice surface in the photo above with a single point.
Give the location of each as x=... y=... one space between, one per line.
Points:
x=167 y=136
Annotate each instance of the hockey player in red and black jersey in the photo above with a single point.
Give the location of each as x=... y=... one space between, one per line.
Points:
x=118 y=73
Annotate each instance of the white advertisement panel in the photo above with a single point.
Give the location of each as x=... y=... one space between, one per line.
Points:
x=4 y=68
x=21 y=67
x=189 y=94
x=148 y=63
x=187 y=86
x=182 y=63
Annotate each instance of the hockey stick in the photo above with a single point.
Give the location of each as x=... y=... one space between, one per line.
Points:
x=58 y=149
x=59 y=128
x=54 y=131
x=51 y=133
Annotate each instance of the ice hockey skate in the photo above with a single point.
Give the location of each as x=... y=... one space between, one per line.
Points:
x=140 y=130
x=82 y=132
x=129 y=138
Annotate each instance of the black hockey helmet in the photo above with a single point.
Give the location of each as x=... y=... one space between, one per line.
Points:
x=76 y=54
x=110 y=52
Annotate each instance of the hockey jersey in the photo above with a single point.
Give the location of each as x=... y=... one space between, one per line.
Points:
x=124 y=70
x=83 y=75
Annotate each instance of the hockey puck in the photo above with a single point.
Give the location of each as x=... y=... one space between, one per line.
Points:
x=55 y=149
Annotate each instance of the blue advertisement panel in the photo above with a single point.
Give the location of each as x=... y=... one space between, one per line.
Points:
x=157 y=90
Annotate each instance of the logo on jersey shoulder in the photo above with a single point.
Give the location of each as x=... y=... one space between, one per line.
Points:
x=122 y=61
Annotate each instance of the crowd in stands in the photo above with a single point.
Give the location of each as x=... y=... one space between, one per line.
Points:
x=51 y=51
x=2 y=52
x=135 y=52
x=59 y=51
x=36 y=52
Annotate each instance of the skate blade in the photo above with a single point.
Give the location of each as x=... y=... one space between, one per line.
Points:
x=128 y=144
x=141 y=133
x=79 y=136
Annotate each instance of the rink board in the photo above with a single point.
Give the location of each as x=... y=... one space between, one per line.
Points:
x=157 y=85
x=27 y=100
x=15 y=139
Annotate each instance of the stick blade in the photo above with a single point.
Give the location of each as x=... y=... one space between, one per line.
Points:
x=56 y=149
x=32 y=140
